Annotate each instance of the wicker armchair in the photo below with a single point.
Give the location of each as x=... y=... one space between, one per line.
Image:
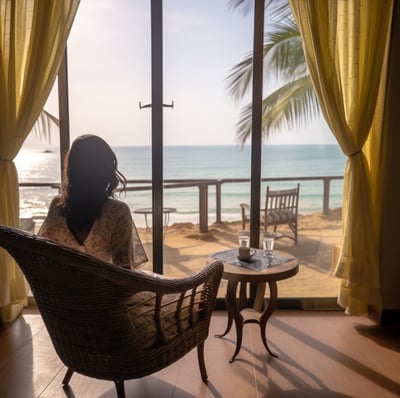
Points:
x=111 y=323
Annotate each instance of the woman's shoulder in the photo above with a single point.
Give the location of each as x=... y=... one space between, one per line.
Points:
x=55 y=202
x=116 y=205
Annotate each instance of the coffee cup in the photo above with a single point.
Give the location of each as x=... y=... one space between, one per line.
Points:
x=244 y=253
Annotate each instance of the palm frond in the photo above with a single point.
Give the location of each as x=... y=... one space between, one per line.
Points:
x=283 y=59
x=240 y=77
x=244 y=5
x=294 y=103
x=44 y=125
x=275 y=9
x=291 y=106
x=278 y=10
x=283 y=51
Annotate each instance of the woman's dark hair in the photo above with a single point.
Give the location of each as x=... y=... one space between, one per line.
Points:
x=91 y=176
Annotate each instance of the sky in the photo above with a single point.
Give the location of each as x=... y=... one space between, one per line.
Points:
x=109 y=67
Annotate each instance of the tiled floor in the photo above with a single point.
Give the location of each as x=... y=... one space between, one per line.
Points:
x=321 y=354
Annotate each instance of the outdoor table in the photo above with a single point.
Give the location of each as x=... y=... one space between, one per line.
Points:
x=149 y=211
x=258 y=270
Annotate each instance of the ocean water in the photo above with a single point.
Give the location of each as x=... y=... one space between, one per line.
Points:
x=198 y=162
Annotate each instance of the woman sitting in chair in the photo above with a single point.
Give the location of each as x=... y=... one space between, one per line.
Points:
x=86 y=216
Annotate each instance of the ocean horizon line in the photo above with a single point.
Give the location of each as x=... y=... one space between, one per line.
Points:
x=223 y=145
x=239 y=146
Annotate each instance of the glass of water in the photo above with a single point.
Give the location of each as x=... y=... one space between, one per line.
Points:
x=268 y=244
x=244 y=238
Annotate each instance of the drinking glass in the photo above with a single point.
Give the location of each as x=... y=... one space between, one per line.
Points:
x=244 y=238
x=268 y=244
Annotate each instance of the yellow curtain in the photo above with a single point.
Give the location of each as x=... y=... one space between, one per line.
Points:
x=345 y=44
x=33 y=35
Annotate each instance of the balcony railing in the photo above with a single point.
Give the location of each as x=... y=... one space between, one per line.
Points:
x=203 y=186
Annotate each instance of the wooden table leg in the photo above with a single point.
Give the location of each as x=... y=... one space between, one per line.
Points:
x=273 y=303
x=259 y=299
x=230 y=316
x=234 y=308
x=243 y=300
x=233 y=314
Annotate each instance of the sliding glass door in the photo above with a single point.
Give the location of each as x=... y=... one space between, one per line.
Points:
x=161 y=82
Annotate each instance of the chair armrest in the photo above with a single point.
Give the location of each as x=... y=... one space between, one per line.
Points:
x=245 y=207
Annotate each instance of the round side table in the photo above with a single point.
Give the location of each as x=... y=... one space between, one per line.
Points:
x=260 y=271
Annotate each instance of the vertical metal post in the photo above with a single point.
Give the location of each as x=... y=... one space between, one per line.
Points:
x=157 y=131
x=256 y=137
x=63 y=109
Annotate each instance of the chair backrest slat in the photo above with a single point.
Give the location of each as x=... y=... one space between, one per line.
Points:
x=282 y=200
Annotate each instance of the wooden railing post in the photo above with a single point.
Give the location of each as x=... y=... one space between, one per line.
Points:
x=325 y=204
x=218 y=202
x=203 y=207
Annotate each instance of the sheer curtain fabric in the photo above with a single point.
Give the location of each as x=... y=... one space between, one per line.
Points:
x=345 y=44
x=33 y=35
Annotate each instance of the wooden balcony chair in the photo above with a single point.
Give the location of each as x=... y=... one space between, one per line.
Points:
x=111 y=323
x=281 y=208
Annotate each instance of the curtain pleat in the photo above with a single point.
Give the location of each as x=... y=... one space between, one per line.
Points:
x=33 y=35
x=345 y=44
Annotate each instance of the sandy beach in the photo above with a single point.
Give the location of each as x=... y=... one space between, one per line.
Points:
x=186 y=250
